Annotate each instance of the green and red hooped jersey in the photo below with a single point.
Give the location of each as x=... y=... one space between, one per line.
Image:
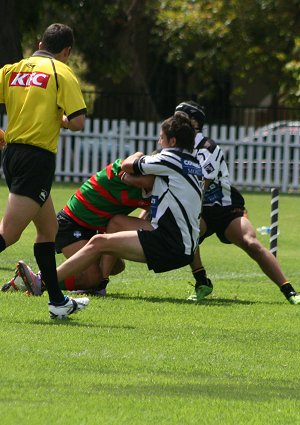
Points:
x=102 y=196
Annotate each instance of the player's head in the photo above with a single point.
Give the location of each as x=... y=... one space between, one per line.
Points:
x=56 y=38
x=194 y=111
x=180 y=128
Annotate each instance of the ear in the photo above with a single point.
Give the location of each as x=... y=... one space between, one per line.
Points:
x=66 y=52
x=172 y=141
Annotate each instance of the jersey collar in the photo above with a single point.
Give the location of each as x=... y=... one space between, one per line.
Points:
x=199 y=137
x=43 y=53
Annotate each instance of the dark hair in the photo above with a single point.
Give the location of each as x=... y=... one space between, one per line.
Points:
x=193 y=110
x=57 y=37
x=180 y=127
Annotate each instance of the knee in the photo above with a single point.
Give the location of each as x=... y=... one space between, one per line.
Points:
x=96 y=243
x=48 y=232
x=9 y=239
x=252 y=246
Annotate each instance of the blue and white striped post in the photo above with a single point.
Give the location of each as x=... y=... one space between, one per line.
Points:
x=274 y=221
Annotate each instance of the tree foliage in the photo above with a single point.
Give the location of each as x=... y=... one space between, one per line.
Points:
x=214 y=49
x=237 y=40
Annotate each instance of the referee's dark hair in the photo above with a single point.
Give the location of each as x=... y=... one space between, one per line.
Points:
x=56 y=37
x=180 y=127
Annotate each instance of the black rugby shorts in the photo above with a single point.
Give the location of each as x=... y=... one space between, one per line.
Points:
x=217 y=220
x=29 y=171
x=69 y=232
x=162 y=252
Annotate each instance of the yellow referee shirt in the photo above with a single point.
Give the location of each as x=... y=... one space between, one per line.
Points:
x=37 y=92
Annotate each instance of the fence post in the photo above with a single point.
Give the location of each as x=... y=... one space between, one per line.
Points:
x=274 y=220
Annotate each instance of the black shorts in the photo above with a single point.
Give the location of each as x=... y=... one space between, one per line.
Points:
x=217 y=220
x=29 y=171
x=69 y=232
x=162 y=252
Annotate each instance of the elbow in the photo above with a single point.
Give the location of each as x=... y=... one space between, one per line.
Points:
x=77 y=123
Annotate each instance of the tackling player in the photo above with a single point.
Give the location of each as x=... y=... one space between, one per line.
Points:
x=86 y=214
x=223 y=213
x=170 y=240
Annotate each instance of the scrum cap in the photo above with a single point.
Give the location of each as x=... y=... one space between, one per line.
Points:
x=193 y=110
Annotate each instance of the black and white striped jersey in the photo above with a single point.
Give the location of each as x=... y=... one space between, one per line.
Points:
x=214 y=168
x=176 y=194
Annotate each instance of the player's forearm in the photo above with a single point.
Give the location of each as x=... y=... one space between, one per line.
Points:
x=143 y=182
x=127 y=164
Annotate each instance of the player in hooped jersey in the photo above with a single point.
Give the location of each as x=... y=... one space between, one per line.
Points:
x=170 y=240
x=87 y=212
x=41 y=95
x=223 y=213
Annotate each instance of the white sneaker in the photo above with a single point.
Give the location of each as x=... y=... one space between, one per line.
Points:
x=71 y=306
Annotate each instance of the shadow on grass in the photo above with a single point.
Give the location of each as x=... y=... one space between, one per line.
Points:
x=71 y=322
x=211 y=302
x=10 y=269
x=68 y=322
x=230 y=391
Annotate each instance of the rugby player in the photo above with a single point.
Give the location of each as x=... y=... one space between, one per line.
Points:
x=224 y=213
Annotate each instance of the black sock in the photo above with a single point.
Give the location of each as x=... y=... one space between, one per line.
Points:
x=199 y=274
x=201 y=278
x=2 y=244
x=286 y=289
x=103 y=284
x=45 y=257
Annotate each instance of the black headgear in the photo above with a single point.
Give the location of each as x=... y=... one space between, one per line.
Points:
x=193 y=110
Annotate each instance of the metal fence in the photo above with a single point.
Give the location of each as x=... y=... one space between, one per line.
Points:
x=158 y=106
x=256 y=160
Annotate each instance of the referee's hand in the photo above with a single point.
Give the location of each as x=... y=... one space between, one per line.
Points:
x=2 y=139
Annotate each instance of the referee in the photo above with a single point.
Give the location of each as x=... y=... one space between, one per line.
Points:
x=41 y=95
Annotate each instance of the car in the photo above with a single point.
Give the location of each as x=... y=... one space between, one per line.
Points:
x=273 y=140
x=269 y=154
x=274 y=131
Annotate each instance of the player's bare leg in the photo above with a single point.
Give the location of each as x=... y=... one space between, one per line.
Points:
x=90 y=279
x=203 y=285
x=122 y=244
x=121 y=223
x=241 y=233
x=19 y=212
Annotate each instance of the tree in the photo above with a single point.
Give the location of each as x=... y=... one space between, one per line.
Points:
x=216 y=51
x=223 y=46
x=111 y=37
x=10 y=46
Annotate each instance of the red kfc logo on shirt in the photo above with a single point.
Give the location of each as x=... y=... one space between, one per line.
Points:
x=25 y=79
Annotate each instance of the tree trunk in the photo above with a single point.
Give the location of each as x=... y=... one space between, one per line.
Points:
x=10 y=45
x=132 y=95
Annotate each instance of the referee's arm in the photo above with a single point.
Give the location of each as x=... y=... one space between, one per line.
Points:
x=74 y=124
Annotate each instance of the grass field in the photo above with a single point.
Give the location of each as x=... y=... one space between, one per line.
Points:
x=144 y=355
